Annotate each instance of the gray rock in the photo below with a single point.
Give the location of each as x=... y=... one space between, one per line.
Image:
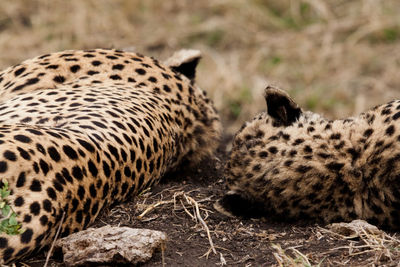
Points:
x=111 y=245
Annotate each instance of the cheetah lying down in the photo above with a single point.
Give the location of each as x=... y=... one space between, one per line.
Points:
x=81 y=130
x=293 y=165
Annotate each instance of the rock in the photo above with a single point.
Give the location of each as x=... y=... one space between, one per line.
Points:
x=110 y=245
x=354 y=229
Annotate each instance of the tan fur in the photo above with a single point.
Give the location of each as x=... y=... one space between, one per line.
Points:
x=318 y=169
x=77 y=135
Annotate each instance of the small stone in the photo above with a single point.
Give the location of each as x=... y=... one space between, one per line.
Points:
x=111 y=245
x=354 y=229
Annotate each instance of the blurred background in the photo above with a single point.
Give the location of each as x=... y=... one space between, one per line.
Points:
x=336 y=57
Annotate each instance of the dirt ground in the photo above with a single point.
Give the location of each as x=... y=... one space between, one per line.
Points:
x=238 y=242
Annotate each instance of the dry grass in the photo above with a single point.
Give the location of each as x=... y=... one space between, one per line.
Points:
x=363 y=245
x=338 y=57
x=185 y=201
x=284 y=259
x=365 y=239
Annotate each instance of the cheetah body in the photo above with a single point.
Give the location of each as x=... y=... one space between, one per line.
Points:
x=80 y=130
x=295 y=165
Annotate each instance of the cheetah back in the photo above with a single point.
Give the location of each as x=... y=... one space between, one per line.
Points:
x=81 y=130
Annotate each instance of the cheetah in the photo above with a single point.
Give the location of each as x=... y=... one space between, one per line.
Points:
x=82 y=130
x=294 y=165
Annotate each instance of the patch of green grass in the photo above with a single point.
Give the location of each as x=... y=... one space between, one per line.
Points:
x=214 y=37
x=210 y=38
x=269 y=63
x=236 y=103
x=275 y=60
x=235 y=108
x=391 y=34
x=280 y=12
x=8 y=222
x=304 y=8
x=196 y=18
x=387 y=35
x=321 y=100
x=312 y=102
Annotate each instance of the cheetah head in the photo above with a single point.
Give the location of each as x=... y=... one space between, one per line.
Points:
x=281 y=114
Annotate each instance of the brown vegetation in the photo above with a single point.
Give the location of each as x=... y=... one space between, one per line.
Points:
x=338 y=57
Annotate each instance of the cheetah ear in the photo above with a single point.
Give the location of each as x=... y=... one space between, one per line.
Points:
x=185 y=62
x=281 y=106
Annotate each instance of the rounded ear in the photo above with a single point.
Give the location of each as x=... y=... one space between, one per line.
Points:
x=281 y=106
x=185 y=62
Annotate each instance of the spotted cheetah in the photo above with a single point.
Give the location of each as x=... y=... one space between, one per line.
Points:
x=81 y=130
x=294 y=165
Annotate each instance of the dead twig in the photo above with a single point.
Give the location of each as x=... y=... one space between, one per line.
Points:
x=54 y=241
x=198 y=216
x=152 y=207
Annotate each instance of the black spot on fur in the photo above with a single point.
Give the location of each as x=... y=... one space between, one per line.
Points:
x=19 y=71
x=95 y=208
x=118 y=67
x=28 y=82
x=77 y=173
x=54 y=154
x=19 y=201
x=9 y=155
x=70 y=152
x=335 y=166
x=106 y=169
x=59 y=79
x=303 y=169
x=3 y=166
x=93 y=191
x=75 y=68
x=81 y=192
x=35 y=208
x=44 y=167
x=21 y=180
x=78 y=216
x=115 y=77
x=3 y=242
x=22 y=138
x=27 y=218
x=390 y=130
x=140 y=71
x=96 y=63
x=24 y=154
x=368 y=133
x=36 y=186
x=86 y=145
x=166 y=88
x=51 y=193
x=273 y=149
x=26 y=236
x=43 y=220
x=335 y=136
x=396 y=116
x=47 y=205
x=92 y=168
x=298 y=141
